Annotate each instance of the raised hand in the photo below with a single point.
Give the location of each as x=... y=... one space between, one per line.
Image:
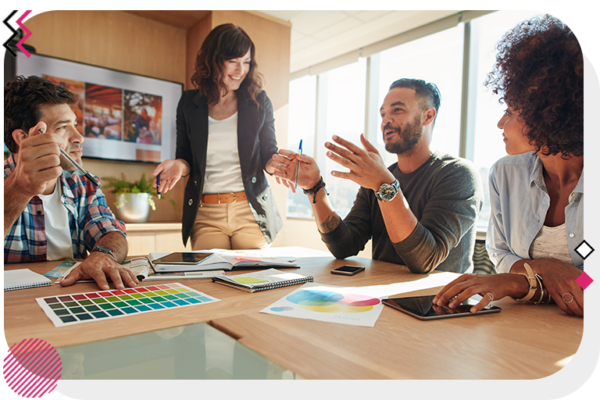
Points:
x=37 y=161
x=365 y=164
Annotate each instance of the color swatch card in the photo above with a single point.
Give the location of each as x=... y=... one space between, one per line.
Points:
x=92 y=306
x=343 y=305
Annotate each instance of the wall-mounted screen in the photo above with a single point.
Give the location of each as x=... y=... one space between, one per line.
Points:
x=123 y=116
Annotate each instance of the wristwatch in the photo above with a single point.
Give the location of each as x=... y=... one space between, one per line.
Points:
x=105 y=250
x=387 y=192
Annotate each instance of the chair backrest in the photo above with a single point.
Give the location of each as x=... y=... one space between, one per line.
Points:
x=481 y=259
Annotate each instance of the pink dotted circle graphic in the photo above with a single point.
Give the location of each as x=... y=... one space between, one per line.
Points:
x=32 y=368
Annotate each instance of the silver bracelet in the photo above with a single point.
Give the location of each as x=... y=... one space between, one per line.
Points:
x=541 y=286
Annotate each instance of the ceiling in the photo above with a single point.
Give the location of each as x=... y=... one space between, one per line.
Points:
x=321 y=35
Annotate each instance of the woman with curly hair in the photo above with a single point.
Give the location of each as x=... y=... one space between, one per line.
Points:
x=536 y=191
x=225 y=140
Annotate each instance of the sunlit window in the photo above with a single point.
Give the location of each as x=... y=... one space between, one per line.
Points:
x=301 y=126
x=344 y=113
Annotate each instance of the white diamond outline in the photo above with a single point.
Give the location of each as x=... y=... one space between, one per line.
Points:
x=591 y=249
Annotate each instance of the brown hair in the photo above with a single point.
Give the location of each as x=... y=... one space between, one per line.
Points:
x=223 y=43
x=23 y=98
x=539 y=72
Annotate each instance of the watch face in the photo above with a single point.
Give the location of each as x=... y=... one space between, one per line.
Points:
x=387 y=192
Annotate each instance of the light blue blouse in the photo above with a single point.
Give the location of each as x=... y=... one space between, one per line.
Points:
x=520 y=201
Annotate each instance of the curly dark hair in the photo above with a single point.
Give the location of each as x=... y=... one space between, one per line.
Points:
x=23 y=98
x=223 y=43
x=539 y=72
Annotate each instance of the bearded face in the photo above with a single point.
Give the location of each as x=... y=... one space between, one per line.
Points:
x=400 y=140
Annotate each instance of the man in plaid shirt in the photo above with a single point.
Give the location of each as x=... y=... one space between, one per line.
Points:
x=52 y=212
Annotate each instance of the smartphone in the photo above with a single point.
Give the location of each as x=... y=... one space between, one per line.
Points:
x=422 y=307
x=182 y=258
x=347 y=270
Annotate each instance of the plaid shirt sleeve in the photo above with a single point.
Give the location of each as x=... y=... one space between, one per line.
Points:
x=26 y=239
x=94 y=218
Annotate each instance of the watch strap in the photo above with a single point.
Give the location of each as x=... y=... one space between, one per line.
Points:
x=533 y=283
x=105 y=250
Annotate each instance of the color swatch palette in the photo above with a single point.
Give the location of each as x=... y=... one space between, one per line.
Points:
x=93 y=306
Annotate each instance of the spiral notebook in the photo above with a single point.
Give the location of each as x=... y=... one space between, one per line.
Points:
x=24 y=279
x=262 y=280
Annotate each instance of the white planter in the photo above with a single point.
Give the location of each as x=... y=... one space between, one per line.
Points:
x=135 y=207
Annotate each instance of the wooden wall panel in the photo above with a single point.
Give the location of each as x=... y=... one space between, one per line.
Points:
x=195 y=36
x=111 y=39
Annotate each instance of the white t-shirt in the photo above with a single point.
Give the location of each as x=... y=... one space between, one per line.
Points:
x=551 y=242
x=223 y=170
x=58 y=232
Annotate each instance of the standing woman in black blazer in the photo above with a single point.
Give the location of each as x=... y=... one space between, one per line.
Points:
x=225 y=139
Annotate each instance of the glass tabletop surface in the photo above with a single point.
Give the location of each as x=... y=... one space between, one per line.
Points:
x=196 y=351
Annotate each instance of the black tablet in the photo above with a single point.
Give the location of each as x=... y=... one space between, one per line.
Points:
x=422 y=307
x=182 y=258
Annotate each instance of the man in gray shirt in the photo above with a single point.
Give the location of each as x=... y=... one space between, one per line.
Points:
x=420 y=212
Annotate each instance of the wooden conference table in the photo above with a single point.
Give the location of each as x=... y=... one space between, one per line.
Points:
x=524 y=341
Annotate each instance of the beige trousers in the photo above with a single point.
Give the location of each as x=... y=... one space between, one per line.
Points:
x=227 y=226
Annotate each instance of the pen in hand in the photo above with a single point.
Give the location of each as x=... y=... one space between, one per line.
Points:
x=298 y=165
x=158 y=185
x=83 y=171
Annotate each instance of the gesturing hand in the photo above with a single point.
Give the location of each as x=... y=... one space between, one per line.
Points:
x=170 y=172
x=285 y=164
x=366 y=165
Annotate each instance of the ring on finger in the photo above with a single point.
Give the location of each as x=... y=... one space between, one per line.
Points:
x=491 y=296
x=567 y=294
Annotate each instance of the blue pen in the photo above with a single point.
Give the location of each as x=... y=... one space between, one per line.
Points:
x=298 y=166
x=158 y=185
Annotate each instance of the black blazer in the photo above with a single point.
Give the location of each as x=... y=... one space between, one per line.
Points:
x=256 y=145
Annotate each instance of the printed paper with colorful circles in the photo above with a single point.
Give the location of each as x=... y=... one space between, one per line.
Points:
x=329 y=303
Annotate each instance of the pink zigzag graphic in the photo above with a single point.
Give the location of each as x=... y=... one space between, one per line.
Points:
x=27 y=34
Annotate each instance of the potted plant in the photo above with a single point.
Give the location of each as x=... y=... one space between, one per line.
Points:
x=133 y=199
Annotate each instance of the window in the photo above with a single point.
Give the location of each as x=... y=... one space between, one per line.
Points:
x=301 y=126
x=343 y=112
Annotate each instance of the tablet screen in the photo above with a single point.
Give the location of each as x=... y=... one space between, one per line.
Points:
x=182 y=258
x=422 y=307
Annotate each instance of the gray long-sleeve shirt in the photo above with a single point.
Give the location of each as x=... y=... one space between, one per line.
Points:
x=445 y=194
